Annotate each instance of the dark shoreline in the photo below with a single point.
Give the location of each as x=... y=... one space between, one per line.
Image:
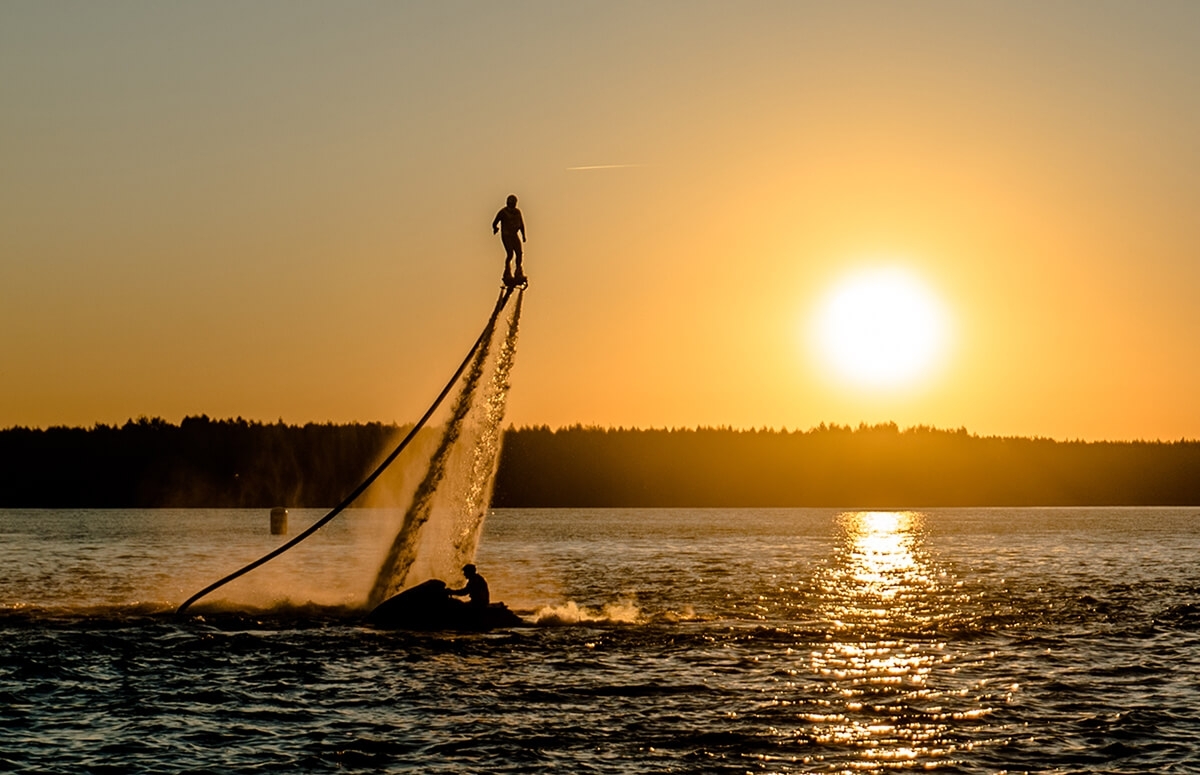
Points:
x=151 y=463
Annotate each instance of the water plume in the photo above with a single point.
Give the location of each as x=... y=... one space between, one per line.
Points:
x=486 y=449
x=425 y=503
x=440 y=529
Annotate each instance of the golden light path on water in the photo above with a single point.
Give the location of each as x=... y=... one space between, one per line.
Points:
x=883 y=601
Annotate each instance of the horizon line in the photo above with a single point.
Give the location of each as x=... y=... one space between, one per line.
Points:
x=822 y=426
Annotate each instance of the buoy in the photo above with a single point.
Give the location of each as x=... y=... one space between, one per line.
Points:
x=278 y=521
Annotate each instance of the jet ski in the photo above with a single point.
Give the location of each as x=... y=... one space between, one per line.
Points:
x=428 y=608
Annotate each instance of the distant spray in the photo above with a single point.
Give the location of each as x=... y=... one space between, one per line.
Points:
x=440 y=529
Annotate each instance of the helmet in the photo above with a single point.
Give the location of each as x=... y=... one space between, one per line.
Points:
x=468 y=570
x=512 y=200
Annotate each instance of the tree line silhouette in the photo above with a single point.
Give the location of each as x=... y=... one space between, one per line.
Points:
x=152 y=463
x=203 y=462
x=837 y=466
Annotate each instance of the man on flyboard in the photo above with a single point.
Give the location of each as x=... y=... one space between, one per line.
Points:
x=510 y=224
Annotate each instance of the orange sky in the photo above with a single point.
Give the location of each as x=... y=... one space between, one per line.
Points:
x=282 y=209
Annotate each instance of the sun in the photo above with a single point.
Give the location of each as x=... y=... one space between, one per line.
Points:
x=881 y=328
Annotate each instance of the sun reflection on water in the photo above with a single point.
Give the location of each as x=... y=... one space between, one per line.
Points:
x=880 y=577
x=880 y=597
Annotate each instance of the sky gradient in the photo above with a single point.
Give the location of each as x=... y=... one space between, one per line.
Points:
x=282 y=209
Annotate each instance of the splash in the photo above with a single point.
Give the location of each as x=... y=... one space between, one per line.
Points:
x=621 y=612
x=440 y=529
x=571 y=613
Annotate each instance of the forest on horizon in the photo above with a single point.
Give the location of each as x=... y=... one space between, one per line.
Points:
x=201 y=462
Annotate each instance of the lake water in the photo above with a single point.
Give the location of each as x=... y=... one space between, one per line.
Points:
x=706 y=641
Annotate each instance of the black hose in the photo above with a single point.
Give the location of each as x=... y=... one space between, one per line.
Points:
x=338 y=509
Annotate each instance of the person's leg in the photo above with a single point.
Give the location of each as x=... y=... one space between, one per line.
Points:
x=520 y=271
x=508 y=257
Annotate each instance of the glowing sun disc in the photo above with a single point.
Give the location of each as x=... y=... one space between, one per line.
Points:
x=881 y=328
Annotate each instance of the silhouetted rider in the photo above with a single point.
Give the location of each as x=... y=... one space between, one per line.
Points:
x=510 y=224
x=476 y=589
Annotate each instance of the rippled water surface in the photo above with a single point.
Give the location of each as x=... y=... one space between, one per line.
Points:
x=657 y=641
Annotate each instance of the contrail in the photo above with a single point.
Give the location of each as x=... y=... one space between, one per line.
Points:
x=603 y=167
